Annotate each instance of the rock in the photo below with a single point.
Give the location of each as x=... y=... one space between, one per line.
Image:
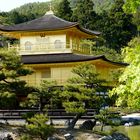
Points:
x=120 y=136
x=68 y=136
x=86 y=136
x=115 y=136
x=6 y=136
x=9 y=137
x=106 y=138
x=88 y=125
x=52 y=138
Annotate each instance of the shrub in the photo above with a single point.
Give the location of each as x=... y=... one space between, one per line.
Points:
x=8 y=100
x=25 y=137
x=38 y=126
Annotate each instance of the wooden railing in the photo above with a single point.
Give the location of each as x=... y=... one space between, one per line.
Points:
x=50 y=48
x=53 y=114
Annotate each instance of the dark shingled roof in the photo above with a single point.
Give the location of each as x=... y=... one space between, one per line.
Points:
x=47 y=22
x=63 y=58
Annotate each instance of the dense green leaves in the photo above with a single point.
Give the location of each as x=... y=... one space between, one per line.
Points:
x=84 y=14
x=80 y=92
x=11 y=69
x=38 y=126
x=131 y=6
x=128 y=91
x=45 y=97
x=8 y=100
x=116 y=26
x=64 y=10
x=136 y=21
x=11 y=66
x=106 y=117
x=102 y=5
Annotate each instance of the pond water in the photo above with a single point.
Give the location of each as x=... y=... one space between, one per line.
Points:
x=133 y=132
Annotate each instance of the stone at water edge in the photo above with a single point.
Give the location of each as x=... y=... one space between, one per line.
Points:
x=7 y=136
x=115 y=136
x=120 y=136
x=68 y=136
x=106 y=138
x=52 y=138
x=87 y=125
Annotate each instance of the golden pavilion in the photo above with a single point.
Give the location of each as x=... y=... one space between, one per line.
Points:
x=52 y=47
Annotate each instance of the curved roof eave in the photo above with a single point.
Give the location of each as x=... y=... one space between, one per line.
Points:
x=45 y=23
x=36 y=30
x=65 y=58
x=89 y=31
x=112 y=62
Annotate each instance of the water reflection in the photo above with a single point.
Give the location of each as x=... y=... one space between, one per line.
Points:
x=133 y=132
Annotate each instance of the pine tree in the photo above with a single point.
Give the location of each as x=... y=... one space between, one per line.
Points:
x=84 y=14
x=11 y=69
x=80 y=92
x=117 y=27
x=64 y=10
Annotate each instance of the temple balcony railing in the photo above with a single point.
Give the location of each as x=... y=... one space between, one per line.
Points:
x=49 y=48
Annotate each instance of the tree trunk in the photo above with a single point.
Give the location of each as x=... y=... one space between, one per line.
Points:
x=40 y=104
x=71 y=125
x=102 y=127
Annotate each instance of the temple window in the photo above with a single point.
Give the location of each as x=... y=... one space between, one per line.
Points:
x=58 y=44
x=28 y=45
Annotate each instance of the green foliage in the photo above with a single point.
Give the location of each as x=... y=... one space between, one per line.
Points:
x=87 y=75
x=25 y=137
x=38 y=126
x=109 y=53
x=74 y=107
x=80 y=92
x=124 y=110
x=131 y=6
x=116 y=26
x=37 y=9
x=102 y=5
x=8 y=100
x=47 y=95
x=136 y=20
x=64 y=10
x=73 y=98
x=11 y=65
x=98 y=49
x=128 y=90
x=106 y=116
x=11 y=69
x=24 y=13
x=27 y=116
x=84 y=13
x=31 y=101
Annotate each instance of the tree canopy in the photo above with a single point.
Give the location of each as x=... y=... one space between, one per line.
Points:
x=11 y=69
x=80 y=92
x=117 y=27
x=84 y=13
x=131 y=6
x=64 y=10
x=128 y=90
